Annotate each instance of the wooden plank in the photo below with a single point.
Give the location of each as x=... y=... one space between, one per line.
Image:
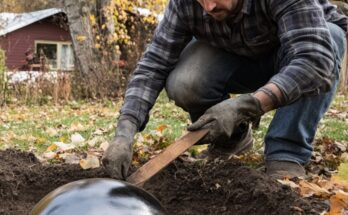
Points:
x=157 y=163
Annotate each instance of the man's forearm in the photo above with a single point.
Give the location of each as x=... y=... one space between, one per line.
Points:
x=267 y=103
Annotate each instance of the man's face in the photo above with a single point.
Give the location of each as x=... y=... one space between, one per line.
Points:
x=219 y=9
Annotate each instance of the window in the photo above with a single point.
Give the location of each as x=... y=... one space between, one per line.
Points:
x=58 y=55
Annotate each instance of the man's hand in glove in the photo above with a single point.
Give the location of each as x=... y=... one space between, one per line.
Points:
x=225 y=117
x=118 y=156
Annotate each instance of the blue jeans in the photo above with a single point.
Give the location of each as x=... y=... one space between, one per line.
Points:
x=204 y=76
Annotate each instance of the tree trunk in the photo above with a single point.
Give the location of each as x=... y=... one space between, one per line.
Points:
x=3 y=79
x=105 y=9
x=86 y=60
x=98 y=66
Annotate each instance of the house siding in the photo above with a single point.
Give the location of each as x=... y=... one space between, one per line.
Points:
x=18 y=42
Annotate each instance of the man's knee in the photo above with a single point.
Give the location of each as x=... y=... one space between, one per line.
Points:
x=189 y=84
x=187 y=94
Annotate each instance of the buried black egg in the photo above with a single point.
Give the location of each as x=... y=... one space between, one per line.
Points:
x=98 y=196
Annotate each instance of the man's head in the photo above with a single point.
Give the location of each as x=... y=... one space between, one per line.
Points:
x=219 y=9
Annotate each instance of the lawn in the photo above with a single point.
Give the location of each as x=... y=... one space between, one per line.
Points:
x=37 y=127
x=78 y=132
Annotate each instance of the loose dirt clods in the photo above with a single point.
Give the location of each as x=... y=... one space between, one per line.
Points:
x=220 y=187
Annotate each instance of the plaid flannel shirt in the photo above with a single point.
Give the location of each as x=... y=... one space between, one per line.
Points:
x=297 y=28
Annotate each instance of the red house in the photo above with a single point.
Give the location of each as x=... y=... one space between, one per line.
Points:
x=34 y=38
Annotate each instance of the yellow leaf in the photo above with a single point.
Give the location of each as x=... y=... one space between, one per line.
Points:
x=63 y=139
x=81 y=38
x=76 y=126
x=92 y=19
x=52 y=132
x=309 y=189
x=90 y=162
x=339 y=203
x=161 y=128
x=40 y=141
x=338 y=183
x=52 y=147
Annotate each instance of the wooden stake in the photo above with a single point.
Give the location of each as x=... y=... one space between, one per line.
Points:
x=157 y=163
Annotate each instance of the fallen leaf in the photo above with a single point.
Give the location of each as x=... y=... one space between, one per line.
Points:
x=94 y=141
x=98 y=132
x=69 y=158
x=52 y=147
x=63 y=146
x=289 y=183
x=161 y=128
x=104 y=145
x=40 y=141
x=52 y=132
x=309 y=189
x=76 y=126
x=341 y=146
x=63 y=139
x=344 y=157
x=339 y=184
x=340 y=180
x=323 y=183
x=77 y=139
x=90 y=162
x=49 y=155
x=339 y=203
x=31 y=138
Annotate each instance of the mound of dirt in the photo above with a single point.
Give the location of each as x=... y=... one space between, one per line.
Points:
x=183 y=188
x=226 y=187
x=24 y=180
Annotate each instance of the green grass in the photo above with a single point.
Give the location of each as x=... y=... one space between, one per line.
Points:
x=26 y=127
x=29 y=125
x=165 y=112
x=334 y=129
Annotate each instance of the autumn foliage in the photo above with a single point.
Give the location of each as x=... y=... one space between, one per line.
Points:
x=130 y=30
x=121 y=30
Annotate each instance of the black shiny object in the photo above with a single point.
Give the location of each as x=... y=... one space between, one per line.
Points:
x=98 y=196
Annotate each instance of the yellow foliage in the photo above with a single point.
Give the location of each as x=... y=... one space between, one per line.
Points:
x=120 y=11
x=92 y=19
x=81 y=38
x=339 y=203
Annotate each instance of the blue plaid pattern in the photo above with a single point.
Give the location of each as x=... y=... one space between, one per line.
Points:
x=296 y=28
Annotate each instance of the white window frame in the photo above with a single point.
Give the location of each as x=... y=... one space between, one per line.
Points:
x=59 y=52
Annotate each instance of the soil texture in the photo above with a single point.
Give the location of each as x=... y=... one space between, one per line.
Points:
x=217 y=187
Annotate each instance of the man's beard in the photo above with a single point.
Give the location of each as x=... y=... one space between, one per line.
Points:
x=222 y=14
x=219 y=14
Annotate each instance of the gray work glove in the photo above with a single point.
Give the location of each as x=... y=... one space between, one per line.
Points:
x=227 y=117
x=118 y=156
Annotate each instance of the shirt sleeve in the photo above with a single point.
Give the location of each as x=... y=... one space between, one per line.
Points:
x=306 y=56
x=170 y=37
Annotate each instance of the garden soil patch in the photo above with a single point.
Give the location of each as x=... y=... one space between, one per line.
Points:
x=218 y=187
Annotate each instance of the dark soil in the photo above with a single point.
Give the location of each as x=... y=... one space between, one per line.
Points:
x=183 y=188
